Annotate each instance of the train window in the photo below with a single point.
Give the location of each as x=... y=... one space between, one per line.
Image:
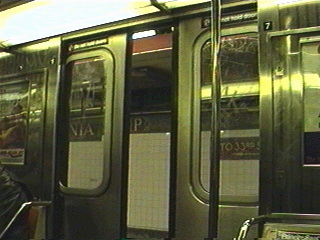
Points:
x=239 y=119
x=21 y=118
x=14 y=108
x=89 y=108
x=311 y=101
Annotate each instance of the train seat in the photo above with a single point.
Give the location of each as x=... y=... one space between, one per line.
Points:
x=284 y=226
x=37 y=220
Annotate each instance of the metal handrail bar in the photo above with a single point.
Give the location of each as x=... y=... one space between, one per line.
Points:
x=23 y=206
x=274 y=217
x=244 y=229
x=21 y=209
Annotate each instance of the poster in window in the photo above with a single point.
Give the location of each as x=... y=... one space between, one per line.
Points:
x=13 y=122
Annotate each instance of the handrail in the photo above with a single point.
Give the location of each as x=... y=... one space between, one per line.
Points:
x=275 y=217
x=244 y=229
x=215 y=121
x=21 y=209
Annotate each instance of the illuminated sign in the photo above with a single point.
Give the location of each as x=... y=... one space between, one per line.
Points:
x=242 y=17
x=92 y=43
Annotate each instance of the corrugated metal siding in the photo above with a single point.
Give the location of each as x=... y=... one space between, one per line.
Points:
x=299 y=15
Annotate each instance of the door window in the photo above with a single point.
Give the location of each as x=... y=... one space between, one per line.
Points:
x=89 y=113
x=239 y=149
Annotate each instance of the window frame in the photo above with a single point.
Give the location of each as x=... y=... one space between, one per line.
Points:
x=109 y=67
x=200 y=93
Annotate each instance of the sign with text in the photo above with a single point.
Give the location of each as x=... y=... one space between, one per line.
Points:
x=297 y=235
x=86 y=129
x=240 y=148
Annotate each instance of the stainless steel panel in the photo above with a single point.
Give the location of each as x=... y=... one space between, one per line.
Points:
x=267 y=13
x=188 y=206
x=287 y=107
x=299 y=14
x=285 y=185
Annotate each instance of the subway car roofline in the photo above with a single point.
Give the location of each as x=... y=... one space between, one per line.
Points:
x=143 y=20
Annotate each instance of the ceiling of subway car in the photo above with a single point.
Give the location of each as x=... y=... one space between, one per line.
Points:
x=43 y=18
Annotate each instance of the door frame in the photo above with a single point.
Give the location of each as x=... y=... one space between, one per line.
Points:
x=111 y=198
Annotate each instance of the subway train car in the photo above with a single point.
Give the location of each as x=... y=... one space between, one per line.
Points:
x=162 y=119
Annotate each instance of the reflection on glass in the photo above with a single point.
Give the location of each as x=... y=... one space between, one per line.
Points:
x=13 y=114
x=86 y=104
x=239 y=116
x=311 y=101
x=238 y=59
x=87 y=92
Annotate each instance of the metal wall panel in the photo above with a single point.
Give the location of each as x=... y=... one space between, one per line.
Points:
x=301 y=14
x=188 y=206
x=24 y=63
x=38 y=65
x=285 y=181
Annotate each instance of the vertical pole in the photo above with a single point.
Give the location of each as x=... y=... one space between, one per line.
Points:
x=215 y=123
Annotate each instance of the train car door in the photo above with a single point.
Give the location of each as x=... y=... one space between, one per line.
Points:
x=89 y=138
x=289 y=107
x=239 y=129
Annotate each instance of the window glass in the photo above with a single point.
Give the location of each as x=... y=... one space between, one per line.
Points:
x=239 y=58
x=86 y=120
x=14 y=100
x=239 y=115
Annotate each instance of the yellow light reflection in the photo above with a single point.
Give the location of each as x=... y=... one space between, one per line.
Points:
x=43 y=45
x=3 y=54
x=311 y=80
x=180 y=3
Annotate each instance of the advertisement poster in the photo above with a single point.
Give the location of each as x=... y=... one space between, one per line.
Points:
x=13 y=122
x=297 y=235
